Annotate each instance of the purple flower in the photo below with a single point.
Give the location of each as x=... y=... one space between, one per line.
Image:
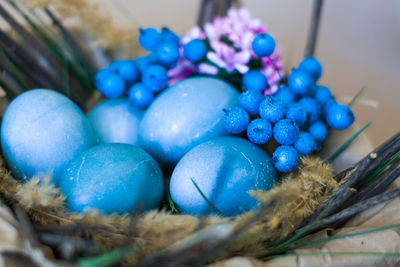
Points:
x=230 y=40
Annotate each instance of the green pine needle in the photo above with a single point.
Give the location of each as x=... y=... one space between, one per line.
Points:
x=355 y=98
x=285 y=245
x=206 y=199
x=347 y=143
x=60 y=48
x=15 y=71
x=379 y=170
x=341 y=253
x=325 y=240
x=107 y=258
x=171 y=203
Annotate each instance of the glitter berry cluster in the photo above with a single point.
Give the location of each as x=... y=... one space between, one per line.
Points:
x=298 y=116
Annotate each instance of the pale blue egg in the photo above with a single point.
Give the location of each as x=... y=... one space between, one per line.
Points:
x=41 y=131
x=116 y=121
x=112 y=178
x=225 y=169
x=185 y=115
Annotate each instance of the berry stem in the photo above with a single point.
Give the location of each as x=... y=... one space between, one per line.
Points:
x=313 y=31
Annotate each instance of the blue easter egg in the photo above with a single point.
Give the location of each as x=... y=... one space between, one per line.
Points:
x=41 y=131
x=225 y=169
x=112 y=178
x=116 y=121
x=185 y=115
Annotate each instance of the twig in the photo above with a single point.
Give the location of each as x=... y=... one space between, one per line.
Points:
x=314 y=25
x=345 y=214
x=206 y=13
x=361 y=170
x=69 y=247
x=364 y=168
x=378 y=186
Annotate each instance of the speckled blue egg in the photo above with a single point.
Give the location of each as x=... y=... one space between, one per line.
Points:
x=41 y=131
x=185 y=115
x=225 y=169
x=116 y=121
x=118 y=178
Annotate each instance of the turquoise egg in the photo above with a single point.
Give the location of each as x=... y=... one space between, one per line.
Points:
x=118 y=178
x=116 y=121
x=41 y=131
x=185 y=115
x=224 y=169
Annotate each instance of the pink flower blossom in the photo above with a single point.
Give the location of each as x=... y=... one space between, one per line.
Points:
x=230 y=39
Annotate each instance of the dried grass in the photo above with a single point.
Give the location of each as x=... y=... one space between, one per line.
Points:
x=297 y=196
x=96 y=23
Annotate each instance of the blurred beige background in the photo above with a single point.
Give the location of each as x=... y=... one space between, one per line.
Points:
x=359 y=44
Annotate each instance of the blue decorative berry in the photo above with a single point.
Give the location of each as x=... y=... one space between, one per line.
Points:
x=319 y=131
x=297 y=114
x=195 y=50
x=339 y=117
x=250 y=101
x=312 y=66
x=149 y=38
x=286 y=132
x=139 y=96
x=305 y=144
x=300 y=82
x=285 y=158
x=312 y=108
x=272 y=109
x=285 y=95
x=236 y=120
x=110 y=84
x=126 y=68
x=169 y=36
x=167 y=53
x=155 y=78
x=330 y=103
x=322 y=94
x=143 y=62
x=254 y=80
x=263 y=45
x=259 y=131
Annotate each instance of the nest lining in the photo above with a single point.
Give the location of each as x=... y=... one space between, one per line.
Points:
x=296 y=197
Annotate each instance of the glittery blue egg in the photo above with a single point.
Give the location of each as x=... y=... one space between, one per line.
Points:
x=41 y=131
x=112 y=178
x=116 y=121
x=185 y=115
x=224 y=169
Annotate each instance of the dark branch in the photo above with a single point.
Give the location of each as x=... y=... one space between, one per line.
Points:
x=313 y=31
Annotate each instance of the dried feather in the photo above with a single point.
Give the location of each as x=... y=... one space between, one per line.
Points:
x=97 y=24
x=299 y=195
x=40 y=193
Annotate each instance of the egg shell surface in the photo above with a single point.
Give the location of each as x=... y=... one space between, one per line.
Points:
x=185 y=115
x=42 y=131
x=113 y=178
x=116 y=121
x=225 y=169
